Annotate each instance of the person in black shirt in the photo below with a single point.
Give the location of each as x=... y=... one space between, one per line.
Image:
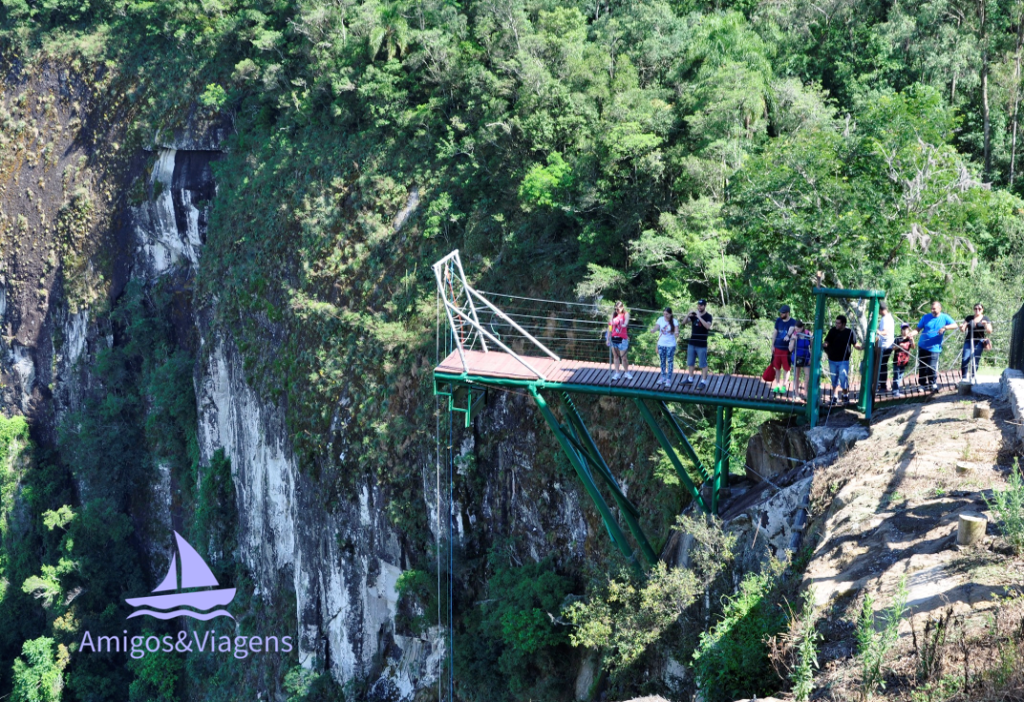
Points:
x=975 y=329
x=839 y=343
x=697 y=347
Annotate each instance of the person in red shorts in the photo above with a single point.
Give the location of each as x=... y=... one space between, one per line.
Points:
x=784 y=326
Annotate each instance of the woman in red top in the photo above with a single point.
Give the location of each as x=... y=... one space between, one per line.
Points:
x=618 y=328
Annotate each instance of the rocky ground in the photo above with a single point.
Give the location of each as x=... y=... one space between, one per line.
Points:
x=887 y=510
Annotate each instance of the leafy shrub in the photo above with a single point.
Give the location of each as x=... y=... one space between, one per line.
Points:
x=1008 y=505
x=627 y=615
x=156 y=676
x=731 y=661
x=873 y=646
x=630 y=615
x=794 y=652
x=215 y=520
x=417 y=605
x=38 y=673
x=807 y=652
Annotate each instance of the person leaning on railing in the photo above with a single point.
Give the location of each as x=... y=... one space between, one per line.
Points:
x=976 y=330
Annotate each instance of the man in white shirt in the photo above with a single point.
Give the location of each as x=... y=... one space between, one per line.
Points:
x=884 y=347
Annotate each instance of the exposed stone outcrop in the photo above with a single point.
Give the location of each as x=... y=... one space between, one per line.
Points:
x=776 y=448
x=342 y=561
x=889 y=507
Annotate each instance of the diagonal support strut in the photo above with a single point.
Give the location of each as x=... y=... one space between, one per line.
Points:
x=671 y=453
x=580 y=466
x=683 y=441
x=590 y=451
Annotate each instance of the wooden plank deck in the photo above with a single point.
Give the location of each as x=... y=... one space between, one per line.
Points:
x=496 y=364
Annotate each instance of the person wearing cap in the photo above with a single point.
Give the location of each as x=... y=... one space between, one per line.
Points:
x=902 y=346
x=883 y=349
x=784 y=326
x=697 y=347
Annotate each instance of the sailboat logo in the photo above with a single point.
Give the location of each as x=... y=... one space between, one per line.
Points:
x=194 y=573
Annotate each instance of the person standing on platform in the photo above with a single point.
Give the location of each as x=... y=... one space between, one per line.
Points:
x=784 y=324
x=697 y=346
x=800 y=343
x=903 y=346
x=883 y=349
x=668 y=334
x=933 y=327
x=976 y=330
x=839 y=344
x=618 y=326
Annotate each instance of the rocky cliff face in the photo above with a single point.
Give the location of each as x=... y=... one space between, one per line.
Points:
x=340 y=562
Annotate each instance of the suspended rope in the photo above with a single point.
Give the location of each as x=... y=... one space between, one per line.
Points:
x=445 y=623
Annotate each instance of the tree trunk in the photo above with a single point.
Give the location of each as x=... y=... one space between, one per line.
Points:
x=986 y=120
x=1016 y=97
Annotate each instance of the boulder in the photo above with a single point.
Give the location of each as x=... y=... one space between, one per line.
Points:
x=777 y=448
x=1012 y=385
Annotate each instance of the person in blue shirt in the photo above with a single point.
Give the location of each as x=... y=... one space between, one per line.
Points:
x=933 y=327
x=784 y=326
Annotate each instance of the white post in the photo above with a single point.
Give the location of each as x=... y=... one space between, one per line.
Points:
x=451 y=321
x=468 y=289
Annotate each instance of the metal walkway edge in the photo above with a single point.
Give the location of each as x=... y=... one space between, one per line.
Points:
x=739 y=391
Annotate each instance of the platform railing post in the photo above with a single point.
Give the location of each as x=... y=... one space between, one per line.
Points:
x=814 y=381
x=868 y=381
x=588 y=482
x=726 y=446
x=716 y=476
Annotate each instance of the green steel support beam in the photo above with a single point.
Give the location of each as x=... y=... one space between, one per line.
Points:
x=671 y=453
x=867 y=389
x=588 y=482
x=845 y=292
x=716 y=477
x=626 y=508
x=687 y=446
x=814 y=381
x=726 y=446
x=585 y=443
